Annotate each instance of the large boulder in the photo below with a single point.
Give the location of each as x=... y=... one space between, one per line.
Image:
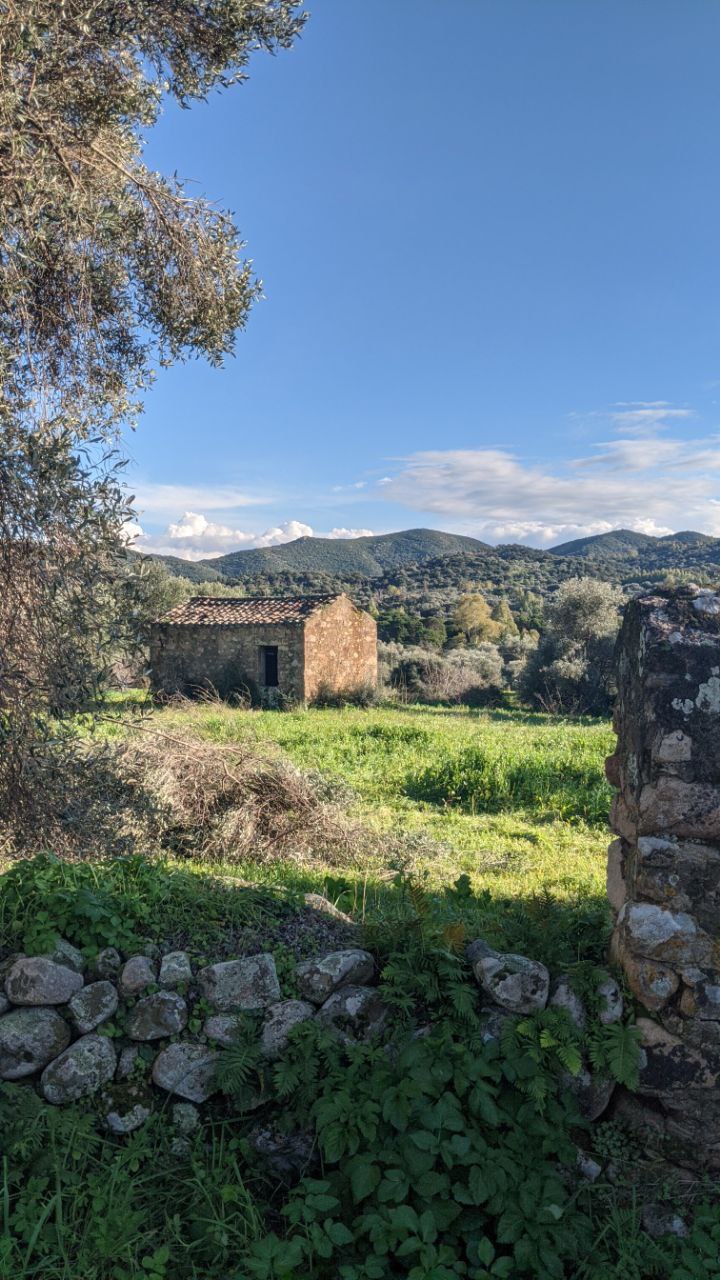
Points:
x=187 y=1070
x=29 y=1039
x=318 y=978
x=249 y=983
x=513 y=982
x=81 y=1070
x=157 y=1016
x=93 y=1005
x=37 y=980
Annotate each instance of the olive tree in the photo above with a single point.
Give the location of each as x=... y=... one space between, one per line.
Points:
x=108 y=270
x=571 y=671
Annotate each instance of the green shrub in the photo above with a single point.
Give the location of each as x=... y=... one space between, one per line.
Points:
x=358 y=695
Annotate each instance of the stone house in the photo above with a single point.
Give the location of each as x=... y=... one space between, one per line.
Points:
x=281 y=648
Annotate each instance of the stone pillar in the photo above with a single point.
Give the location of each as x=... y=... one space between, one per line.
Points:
x=664 y=867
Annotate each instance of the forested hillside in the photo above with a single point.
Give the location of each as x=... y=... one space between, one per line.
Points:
x=427 y=571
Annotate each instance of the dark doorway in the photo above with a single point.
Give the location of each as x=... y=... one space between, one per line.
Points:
x=269 y=665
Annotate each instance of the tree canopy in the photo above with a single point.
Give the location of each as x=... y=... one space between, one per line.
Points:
x=107 y=270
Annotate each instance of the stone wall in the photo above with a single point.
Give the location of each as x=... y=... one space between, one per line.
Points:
x=186 y=658
x=664 y=868
x=340 y=648
x=129 y=1031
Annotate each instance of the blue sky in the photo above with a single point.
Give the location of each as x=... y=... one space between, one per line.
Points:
x=488 y=234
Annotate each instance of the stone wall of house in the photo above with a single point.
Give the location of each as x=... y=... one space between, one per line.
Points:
x=664 y=867
x=184 y=659
x=340 y=648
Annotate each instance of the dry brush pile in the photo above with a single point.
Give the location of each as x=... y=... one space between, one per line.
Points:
x=174 y=794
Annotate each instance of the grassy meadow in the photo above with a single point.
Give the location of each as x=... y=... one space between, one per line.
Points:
x=502 y=809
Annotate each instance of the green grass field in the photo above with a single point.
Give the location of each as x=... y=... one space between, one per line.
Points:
x=517 y=803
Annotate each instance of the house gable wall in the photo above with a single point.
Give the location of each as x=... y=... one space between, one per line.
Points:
x=340 y=648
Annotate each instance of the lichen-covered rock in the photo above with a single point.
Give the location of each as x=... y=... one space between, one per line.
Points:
x=127 y=1062
x=29 y=1039
x=610 y=1002
x=652 y=983
x=701 y=995
x=592 y=1093
x=359 y=1012
x=108 y=963
x=563 y=997
x=4 y=1004
x=127 y=1108
x=128 y=1119
x=657 y=933
x=249 y=983
x=279 y=1022
x=81 y=1070
x=65 y=953
x=137 y=973
x=223 y=1028
x=318 y=978
x=175 y=968
x=514 y=982
x=155 y=1016
x=672 y=1069
x=36 y=980
x=187 y=1070
x=185 y=1117
x=92 y=1005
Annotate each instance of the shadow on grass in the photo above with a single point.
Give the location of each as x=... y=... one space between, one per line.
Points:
x=124 y=902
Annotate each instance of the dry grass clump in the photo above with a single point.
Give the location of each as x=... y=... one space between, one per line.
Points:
x=175 y=794
x=225 y=803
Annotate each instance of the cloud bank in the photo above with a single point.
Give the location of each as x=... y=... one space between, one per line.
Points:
x=645 y=481
x=194 y=537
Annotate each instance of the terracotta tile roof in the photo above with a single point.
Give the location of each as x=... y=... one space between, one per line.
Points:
x=235 y=611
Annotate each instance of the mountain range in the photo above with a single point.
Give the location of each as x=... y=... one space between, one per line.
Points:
x=621 y=555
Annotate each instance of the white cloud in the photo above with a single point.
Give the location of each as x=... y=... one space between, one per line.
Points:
x=639 y=416
x=194 y=537
x=650 y=484
x=167 y=499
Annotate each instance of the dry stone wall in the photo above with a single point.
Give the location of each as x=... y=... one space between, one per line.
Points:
x=136 y=1032
x=664 y=867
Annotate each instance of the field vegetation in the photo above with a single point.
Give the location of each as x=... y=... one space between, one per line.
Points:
x=443 y=1158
